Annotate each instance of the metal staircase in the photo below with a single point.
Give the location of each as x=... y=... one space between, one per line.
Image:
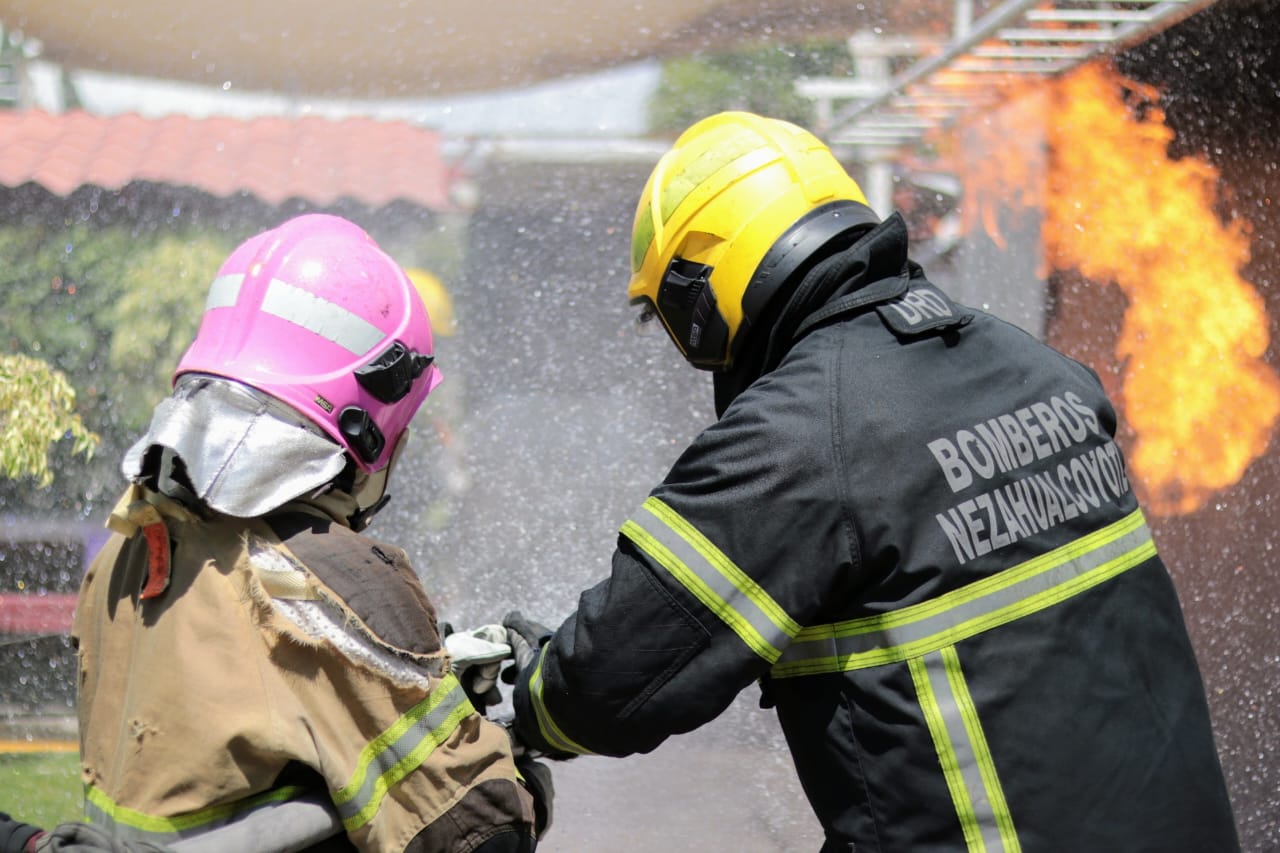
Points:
x=877 y=111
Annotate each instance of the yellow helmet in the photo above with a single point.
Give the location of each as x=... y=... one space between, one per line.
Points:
x=436 y=297
x=728 y=215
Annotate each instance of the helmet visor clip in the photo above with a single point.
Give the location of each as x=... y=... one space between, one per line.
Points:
x=687 y=303
x=362 y=433
x=390 y=376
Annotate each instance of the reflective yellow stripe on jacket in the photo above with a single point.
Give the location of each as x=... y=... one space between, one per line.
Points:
x=706 y=572
x=1016 y=592
x=761 y=623
x=396 y=752
x=922 y=635
x=965 y=758
x=383 y=762
x=713 y=578
x=132 y=825
x=547 y=726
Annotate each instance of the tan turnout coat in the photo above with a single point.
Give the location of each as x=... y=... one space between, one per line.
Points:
x=228 y=666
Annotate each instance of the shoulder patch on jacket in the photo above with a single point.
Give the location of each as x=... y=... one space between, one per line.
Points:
x=374 y=580
x=922 y=308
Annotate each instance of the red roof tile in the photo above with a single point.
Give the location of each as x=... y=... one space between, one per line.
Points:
x=316 y=159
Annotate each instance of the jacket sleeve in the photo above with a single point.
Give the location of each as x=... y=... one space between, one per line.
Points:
x=410 y=765
x=746 y=540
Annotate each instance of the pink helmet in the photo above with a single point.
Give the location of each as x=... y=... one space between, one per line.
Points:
x=314 y=314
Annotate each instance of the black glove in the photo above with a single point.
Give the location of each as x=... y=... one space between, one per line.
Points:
x=526 y=637
x=537 y=778
x=14 y=834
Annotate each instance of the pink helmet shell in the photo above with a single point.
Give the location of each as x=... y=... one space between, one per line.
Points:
x=315 y=314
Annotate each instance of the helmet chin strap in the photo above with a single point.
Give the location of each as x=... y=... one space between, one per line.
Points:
x=370 y=490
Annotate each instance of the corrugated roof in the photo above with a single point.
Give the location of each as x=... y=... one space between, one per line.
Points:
x=316 y=159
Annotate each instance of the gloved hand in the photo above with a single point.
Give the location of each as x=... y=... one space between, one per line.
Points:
x=526 y=637
x=477 y=657
x=15 y=835
x=537 y=778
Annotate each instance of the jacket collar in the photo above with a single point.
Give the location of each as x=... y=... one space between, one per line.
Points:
x=873 y=269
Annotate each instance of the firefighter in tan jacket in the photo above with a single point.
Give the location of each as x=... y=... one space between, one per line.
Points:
x=249 y=658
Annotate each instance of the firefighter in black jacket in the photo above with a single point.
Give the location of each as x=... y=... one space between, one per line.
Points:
x=910 y=524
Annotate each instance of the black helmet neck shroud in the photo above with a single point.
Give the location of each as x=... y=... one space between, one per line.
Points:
x=821 y=232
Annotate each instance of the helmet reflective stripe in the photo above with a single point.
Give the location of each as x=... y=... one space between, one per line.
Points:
x=224 y=291
x=963 y=752
x=1016 y=592
x=331 y=322
x=703 y=569
x=400 y=750
x=669 y=192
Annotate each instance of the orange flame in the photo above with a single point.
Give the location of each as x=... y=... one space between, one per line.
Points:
x=1196 y=391
x=1012 y=177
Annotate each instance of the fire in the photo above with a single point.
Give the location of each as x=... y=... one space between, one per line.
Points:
x=1196 y=392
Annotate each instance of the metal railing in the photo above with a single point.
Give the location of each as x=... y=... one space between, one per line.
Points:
x=1019 y=39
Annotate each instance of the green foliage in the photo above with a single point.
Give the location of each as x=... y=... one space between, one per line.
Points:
x=36 y=410
x=162 y=290
x=42 y=788
x=760 y=80
x=109 y=307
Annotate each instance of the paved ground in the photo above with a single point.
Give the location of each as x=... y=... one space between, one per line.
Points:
x=686 y=796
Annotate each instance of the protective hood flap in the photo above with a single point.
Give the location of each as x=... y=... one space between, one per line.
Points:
x=236 y=450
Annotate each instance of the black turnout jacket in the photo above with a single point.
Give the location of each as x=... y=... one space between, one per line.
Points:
x=916 y=532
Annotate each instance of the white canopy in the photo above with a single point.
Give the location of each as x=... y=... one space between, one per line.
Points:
x=414 y=48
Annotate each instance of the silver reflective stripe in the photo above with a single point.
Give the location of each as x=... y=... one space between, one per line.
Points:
x=131 y=825
x=993 y=601
x=224 y=291
x=399 y=750
x=714 y=579
x=963 y=753
x=321 y=317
